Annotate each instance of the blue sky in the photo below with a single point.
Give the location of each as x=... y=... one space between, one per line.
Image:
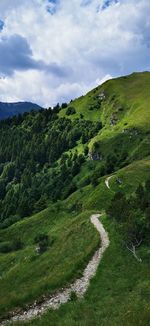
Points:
x=108 y=3
x=1 y=25
x=52 y=51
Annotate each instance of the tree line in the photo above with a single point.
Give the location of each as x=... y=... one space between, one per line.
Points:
x=33 y=166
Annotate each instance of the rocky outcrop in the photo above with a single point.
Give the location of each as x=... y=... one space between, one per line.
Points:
x=94 y=156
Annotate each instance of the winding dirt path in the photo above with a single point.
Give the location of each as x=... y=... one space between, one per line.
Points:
x=80 y=285
x=107 y=181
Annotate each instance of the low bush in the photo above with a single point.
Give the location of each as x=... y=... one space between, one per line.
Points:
x=42 y=241
x=5 y=247
x=71 y=110
x=9 y=246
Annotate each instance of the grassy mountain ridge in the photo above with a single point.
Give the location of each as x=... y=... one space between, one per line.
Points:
x=54 y=171
x=122 y=105
x=132 y=90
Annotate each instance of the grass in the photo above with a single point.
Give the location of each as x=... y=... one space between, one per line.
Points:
x=131 y=176
x=118 y=295
x=43 y=274
x=116 y=285
x=127 y=98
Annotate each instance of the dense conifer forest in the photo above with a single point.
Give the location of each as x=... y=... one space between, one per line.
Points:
x=33 y=169
x=58 y=167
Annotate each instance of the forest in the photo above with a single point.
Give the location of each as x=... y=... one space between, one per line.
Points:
x=36 y=156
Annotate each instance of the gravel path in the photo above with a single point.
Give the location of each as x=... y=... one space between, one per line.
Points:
x=107 y=181
x=79 y=286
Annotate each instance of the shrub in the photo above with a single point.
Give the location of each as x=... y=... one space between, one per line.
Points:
x=132 y=215
x=56 y=108
x=64 y=105
x=17 y=244
x=73 y=296
x=94 y=181
x=5 y=247
x=71 y=110
x=9 y=221
x=42 y=241
x=8 y=246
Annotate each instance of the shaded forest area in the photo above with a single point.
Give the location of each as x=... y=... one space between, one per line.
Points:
x=34 y=164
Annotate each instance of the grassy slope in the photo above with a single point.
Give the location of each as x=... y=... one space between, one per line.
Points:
x=78 y=240
x=132 y=175
x=38 y=275
x=132 y=92
x=118 y=294
x=127 y=98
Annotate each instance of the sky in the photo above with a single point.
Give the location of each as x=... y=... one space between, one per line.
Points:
x=56 y=50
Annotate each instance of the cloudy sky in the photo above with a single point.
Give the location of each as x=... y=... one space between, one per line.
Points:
x=55 y=50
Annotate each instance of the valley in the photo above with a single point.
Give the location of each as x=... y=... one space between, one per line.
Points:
x=87 y=158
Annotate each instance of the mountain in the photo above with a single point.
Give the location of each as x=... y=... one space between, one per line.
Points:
x=58 y=168
x=8 y=110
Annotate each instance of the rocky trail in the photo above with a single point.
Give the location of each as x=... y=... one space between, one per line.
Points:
x=107 y=181
x=79 y=286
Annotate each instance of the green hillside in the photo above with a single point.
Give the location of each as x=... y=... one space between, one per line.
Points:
x=126 y=96
x=54 y=170
x=122 y=105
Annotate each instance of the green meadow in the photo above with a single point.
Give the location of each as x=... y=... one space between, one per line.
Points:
x=71 y=187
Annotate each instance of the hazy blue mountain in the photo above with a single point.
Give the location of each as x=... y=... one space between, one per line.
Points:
x=11 y=109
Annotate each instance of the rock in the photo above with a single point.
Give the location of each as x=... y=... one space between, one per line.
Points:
x=37 y=250
x=94 y=156
x=102 y=96
x=119 y=181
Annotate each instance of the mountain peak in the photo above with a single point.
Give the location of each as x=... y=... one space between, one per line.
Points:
x=8 y=110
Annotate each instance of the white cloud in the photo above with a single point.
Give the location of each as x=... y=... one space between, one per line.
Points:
x=87 y=42
x=35 y=86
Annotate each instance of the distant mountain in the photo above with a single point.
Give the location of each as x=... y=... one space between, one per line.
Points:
x=10 y=109
x=57 y=167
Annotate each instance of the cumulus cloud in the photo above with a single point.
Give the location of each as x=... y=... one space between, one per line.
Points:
x=64 y=48
x=15 y=54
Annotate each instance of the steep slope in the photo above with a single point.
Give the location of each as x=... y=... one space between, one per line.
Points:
x=61 y=160
x=127 y=96
x=122 y=105
x=8 y=110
